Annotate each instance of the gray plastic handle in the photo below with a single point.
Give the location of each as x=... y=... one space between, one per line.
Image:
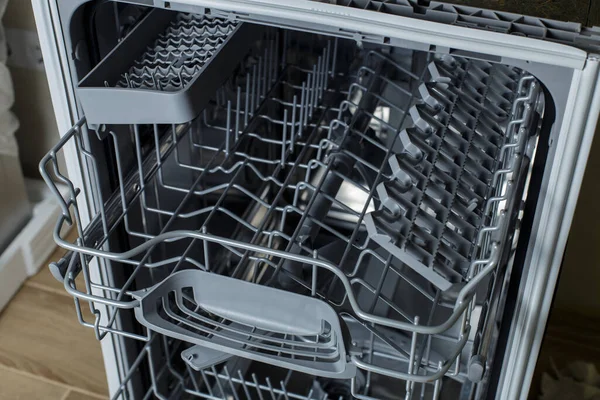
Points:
x=248 y=320
x=59 y=269
x=199 y=357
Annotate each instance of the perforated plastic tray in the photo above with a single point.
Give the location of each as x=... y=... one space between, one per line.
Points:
x=165 y=70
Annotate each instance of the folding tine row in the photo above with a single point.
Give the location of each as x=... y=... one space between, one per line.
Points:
x=435 y=204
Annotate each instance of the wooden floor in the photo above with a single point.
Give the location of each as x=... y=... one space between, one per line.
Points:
x=44 y=352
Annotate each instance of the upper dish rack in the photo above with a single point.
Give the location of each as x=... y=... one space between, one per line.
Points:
x=287 y=179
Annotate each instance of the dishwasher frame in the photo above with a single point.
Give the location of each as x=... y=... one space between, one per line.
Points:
x=577 y=101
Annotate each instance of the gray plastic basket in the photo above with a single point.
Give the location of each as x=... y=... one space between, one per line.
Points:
x=165 y=70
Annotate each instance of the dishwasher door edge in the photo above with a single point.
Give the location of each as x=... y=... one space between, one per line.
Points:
x=554 y=215
x=56 y=64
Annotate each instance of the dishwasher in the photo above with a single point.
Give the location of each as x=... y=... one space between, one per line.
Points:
x=304 y=199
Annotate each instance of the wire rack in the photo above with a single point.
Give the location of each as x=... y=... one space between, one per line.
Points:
x=235 y=379
x=178 y=54
x=327 y=172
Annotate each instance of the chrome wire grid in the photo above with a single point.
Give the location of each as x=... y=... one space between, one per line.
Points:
x=275 y=183
x=178 y=54
x=235 y=379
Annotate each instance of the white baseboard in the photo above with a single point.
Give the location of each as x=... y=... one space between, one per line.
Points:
x=33 y=245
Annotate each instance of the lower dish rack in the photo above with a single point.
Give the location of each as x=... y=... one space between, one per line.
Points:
x=335 y=214
x=235 y=379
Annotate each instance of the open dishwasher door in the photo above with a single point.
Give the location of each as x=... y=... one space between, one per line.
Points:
x=315 y=199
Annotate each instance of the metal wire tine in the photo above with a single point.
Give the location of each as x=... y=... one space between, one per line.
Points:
x=231 y=385
x=380 y=283
x=271 y=61
x=153 y=372
x=424 y=357
x=205 y=248
x=302 y=109
x=276 y=58
x=247 y=100
x=257 y=386
x=316 y=83
x=270 y=387
x=310 y=394
x=284 y=138
x=309 y=99
x=293 y=126
x=265 y=73
x=94 y=183
x=285 y=47
x=206 y=382
x=260 y=73
x=437 y=386
x=218 y=381
x=323 y=75
x=283 y=389
x=334 y=59
x=169 y=364
x=411 y=361
x=313 y=292
x=313 y=95
x=237 y=113
x=327 y=65
x=141 y=178
x=192 y=376
x=244 y=385
x=253 y=104
x=228 y=129
x=134 y=366
x=319 y=66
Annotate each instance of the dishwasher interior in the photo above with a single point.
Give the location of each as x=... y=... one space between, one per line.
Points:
x=285 y=214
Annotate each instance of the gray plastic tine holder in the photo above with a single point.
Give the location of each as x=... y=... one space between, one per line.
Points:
x=247 y=320
x=442 y=177
x=166 y=70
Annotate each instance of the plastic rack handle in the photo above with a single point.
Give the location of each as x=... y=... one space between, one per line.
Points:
x=248 y=320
